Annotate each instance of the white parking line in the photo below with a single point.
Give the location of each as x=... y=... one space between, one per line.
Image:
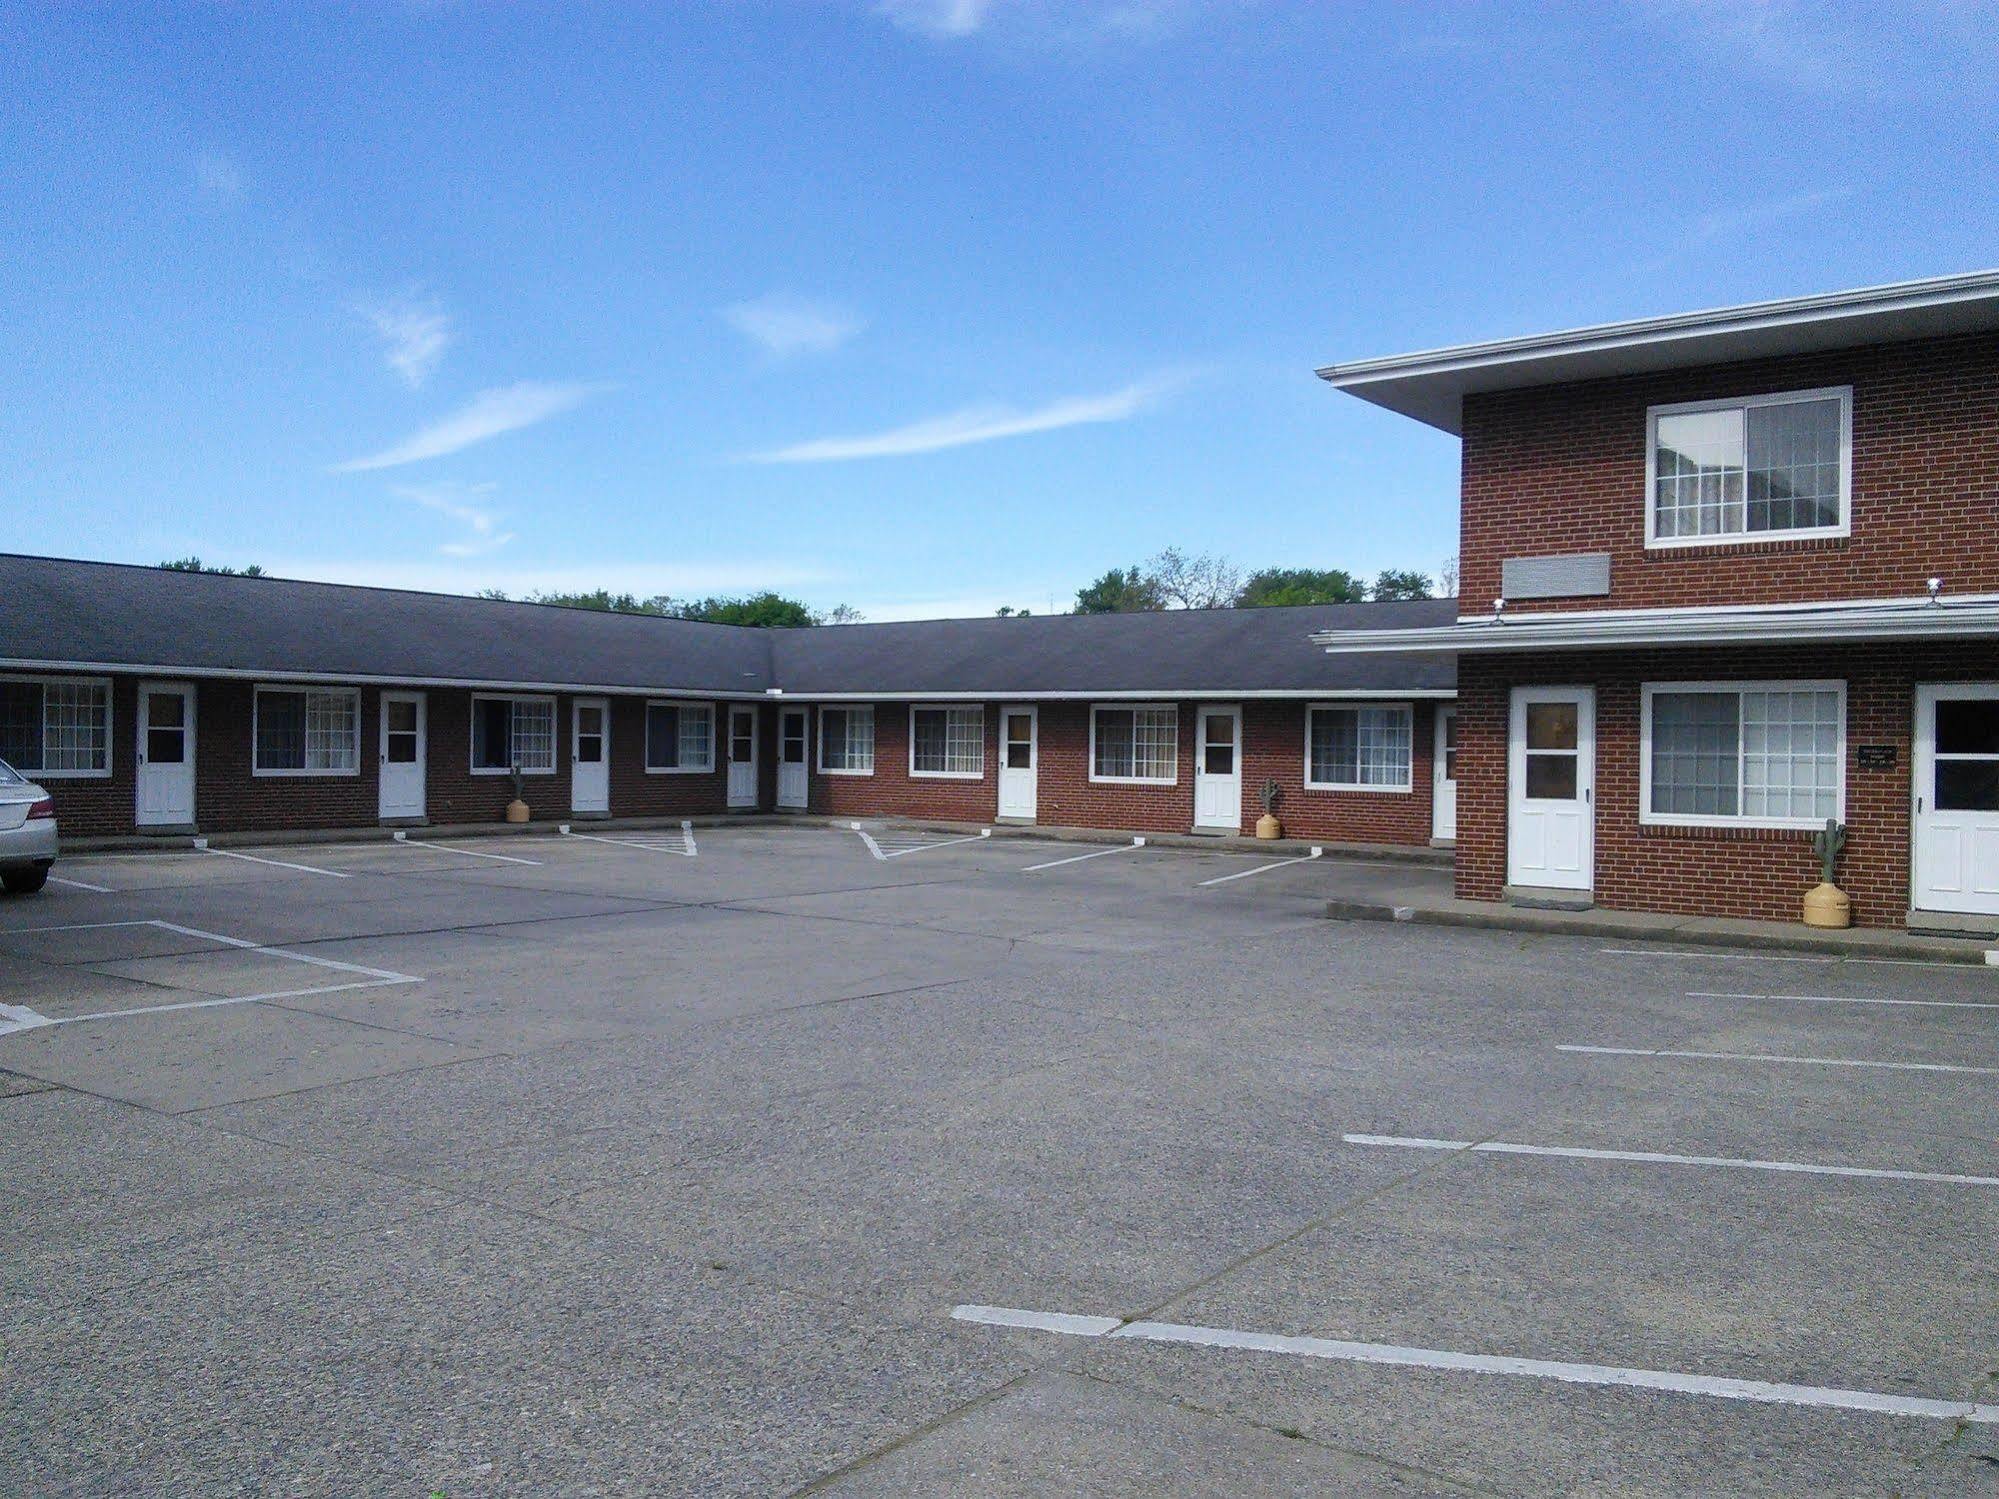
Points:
x=1243 y=874
x=1762 y=1392
x=201 y=846
x=1767 y=957
x=470 y=853
x=685 y=847
x=56 y=879
x=1122 y=848
x=1650 y=1157
x=1758 y=1056
x=1844 y=999
x=900 y=846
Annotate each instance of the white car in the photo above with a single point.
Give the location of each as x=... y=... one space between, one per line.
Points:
x=27 y=833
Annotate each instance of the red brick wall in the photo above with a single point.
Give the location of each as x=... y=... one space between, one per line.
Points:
x=1273 y=745
x=1561 y=469
x=1701 y=871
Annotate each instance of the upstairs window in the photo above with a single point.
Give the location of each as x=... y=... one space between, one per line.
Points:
x=510 y=731
x=1756 y=467
x=54 y=727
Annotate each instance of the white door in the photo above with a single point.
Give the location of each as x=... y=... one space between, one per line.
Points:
x=590 y=755
x=1957 y=798
x=165 y=795
x=1218 y=770
x=1444 y=778
x=1551 y=771
x=791 y=766
x=403 y=754
x=743 y=757
x=1020 y=750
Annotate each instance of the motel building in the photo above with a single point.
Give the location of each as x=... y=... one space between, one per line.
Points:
x=1726 y=576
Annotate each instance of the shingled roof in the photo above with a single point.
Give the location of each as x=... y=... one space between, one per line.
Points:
x=114 y=616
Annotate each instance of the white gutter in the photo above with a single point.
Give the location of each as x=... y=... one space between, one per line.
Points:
x=1969 y=617
x=1134 y=695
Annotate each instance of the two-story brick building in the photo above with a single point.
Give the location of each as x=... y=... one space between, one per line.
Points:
x=1726 y=576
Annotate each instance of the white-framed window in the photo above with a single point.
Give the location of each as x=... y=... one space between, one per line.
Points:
x=1742 y=754
x=305 y=731
x=847 y=740
x=1756 y=468
x=680 y=738
x=1358 y=746
x=56 y=728
x=511 y=731
x=947 y=742
x=1135 y=743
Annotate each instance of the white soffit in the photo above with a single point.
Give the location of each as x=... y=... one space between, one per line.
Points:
x=1431 y=385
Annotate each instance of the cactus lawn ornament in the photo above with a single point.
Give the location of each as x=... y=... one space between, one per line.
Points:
x=1267 y=826
x=517 y=809
x=1827 y=904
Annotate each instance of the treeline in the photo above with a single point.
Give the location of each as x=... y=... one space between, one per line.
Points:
x=767 y=610
x=1174 y=580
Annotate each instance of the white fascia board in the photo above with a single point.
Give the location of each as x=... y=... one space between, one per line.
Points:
x=365 y=679
x=1147 y=695
x=1864 y=619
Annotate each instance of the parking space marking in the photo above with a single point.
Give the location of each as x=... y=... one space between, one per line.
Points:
x=56 y=879
x=1849 y=999
x=685 y=846
x=1122 y=848
x=1719 y=1387
x=1759 y=1056
x=201 y=846
x=20 y=1018
x=1660 y=1158
x=1767 y=957
x=1243 y=874
x=893 y=847
x=470 y=853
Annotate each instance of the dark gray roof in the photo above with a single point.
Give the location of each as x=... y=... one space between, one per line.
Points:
x=1192 y=650
x=115 y=615
x=112 y=614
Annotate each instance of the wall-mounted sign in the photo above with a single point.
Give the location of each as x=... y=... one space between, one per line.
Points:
x=1875 y=756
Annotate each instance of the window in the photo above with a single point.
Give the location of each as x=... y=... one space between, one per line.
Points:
x=1139 y=743
x=680 y=738
x=56 y=727
x=1764 y=466
x=947 y=742
x=306 y=732
x=513 y=731
x=847 y=741
x=1358 y=748
x=1767 y=754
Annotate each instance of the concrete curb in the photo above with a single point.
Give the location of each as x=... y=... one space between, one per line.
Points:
x=1690 y=931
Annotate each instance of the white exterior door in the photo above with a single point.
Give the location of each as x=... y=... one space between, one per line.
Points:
x=1551 y=792
x=1957 y=798
x=165 y=791
x=1020 y=754
x=792 y=771
x=1218 y=770
x=1444 y=778
x=590 y=755
x=743 y=757
x=403 y=753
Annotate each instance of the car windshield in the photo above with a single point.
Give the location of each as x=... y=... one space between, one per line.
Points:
x=10 y=776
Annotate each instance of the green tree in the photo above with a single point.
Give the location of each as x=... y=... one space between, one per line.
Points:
x=1122 y=590
x=196 y=565
x=603 y=599
x=1301 y=585
x=1007 y=611
x=1393 y=584
x=766 y=610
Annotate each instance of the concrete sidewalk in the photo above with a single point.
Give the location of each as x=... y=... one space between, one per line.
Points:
x=1422 y=895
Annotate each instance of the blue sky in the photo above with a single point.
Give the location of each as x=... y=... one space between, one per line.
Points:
x=925 y=306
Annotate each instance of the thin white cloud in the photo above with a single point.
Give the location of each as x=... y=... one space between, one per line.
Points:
x=1813 y=45
x=414 y=332
x=785 y=326
x=1731 y=225
x=217 y=180
x=975 y=424
x=942 y=19
x=463 y=503
x=488 y=414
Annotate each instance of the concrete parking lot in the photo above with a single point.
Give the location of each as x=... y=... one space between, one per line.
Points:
x=765 y=1160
